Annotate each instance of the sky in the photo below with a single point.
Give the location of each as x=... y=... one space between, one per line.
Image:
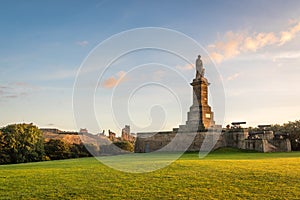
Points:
x=44 y=45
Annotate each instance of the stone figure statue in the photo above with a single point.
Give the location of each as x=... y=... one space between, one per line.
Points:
x=199 y=68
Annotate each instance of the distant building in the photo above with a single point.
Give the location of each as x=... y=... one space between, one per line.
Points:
x=83 y=131
x=126 y=135
x=112 y=136
x=51 y=130
x=57 y=131
x=102 y=133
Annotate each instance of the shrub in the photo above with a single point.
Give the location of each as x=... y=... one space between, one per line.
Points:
x=21 y=143
x=125 y=145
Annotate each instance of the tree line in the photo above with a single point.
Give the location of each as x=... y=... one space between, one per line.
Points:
x=21 y=143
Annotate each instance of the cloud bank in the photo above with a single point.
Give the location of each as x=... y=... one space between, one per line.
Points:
x=233 y=44
x=16 y=90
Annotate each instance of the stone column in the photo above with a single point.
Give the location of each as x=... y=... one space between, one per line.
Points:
x=200 y=112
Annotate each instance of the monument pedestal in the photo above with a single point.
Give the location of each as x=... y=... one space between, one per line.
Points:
x=200 y=114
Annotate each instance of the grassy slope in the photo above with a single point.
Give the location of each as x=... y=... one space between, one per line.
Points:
x=221 y=175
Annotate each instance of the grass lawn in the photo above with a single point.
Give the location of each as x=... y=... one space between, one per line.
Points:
x=224 y=174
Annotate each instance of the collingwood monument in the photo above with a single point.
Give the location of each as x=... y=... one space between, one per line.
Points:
x=200 y=119
x=200 y=113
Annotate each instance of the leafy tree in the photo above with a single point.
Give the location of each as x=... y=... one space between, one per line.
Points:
x=57 y=149
x=21 y=143
x=125 y=145
x=293 y=129
x=93 y=149
x=79 y=150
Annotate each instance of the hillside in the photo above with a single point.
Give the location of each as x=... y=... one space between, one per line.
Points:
x=75 y=138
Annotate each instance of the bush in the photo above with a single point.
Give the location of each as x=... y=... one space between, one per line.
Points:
x=125 y=145
x=79 y=150
x=21 y=143
x=57 y=149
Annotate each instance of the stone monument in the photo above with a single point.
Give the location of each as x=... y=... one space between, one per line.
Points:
x=190 y=136
x=200 y=116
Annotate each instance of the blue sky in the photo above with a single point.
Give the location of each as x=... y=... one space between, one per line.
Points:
x=255 y=45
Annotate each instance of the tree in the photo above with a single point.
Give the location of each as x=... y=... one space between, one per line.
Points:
x=79 y=150
x=57 y=149
x=21 y=143
x=293 y=131
x=125 y=145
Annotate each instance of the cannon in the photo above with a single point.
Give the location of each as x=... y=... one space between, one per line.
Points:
x=237 y=123
x=280 y=135
x=264 y=127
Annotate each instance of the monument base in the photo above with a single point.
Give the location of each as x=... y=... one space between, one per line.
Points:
x=178 y=141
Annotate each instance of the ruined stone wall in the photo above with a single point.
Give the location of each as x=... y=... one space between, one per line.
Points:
x=149 y=142
x=207 y=141
x=166 y=141
x=273 y=145
x=282 y=145
x=264 y=143
x=255 y=145
x=235 y=138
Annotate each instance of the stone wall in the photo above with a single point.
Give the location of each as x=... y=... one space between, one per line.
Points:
x=283 y=145
x=235 y=138
x=152 y=141
x=207 y=141
x=172 y=141
x=265 y=142
x=256 y=145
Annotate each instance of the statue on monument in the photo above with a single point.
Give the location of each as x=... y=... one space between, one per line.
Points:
x=199 y=68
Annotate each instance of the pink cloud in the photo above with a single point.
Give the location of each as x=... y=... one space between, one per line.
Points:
x=232 y=77
x=233 y=44
x=114 y=81
x=186 y=67
x=287 y=36
x=259 y=41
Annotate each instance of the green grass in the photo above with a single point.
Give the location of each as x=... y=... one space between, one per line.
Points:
x=224 y=174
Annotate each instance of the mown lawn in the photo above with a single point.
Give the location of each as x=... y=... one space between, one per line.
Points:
x=225 y=174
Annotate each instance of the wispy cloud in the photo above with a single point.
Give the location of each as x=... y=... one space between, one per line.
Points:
x=288 y=55
x=159 y=74
x=235 y=43
x=60 y=74
x=114 y=80
x=185 y=67
x=50 y=124
x=16 y=89
x=258 y=41
x=232 y=77
x=22 y=84
x=12 y=96
x=286 y=36
x=82 y=43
